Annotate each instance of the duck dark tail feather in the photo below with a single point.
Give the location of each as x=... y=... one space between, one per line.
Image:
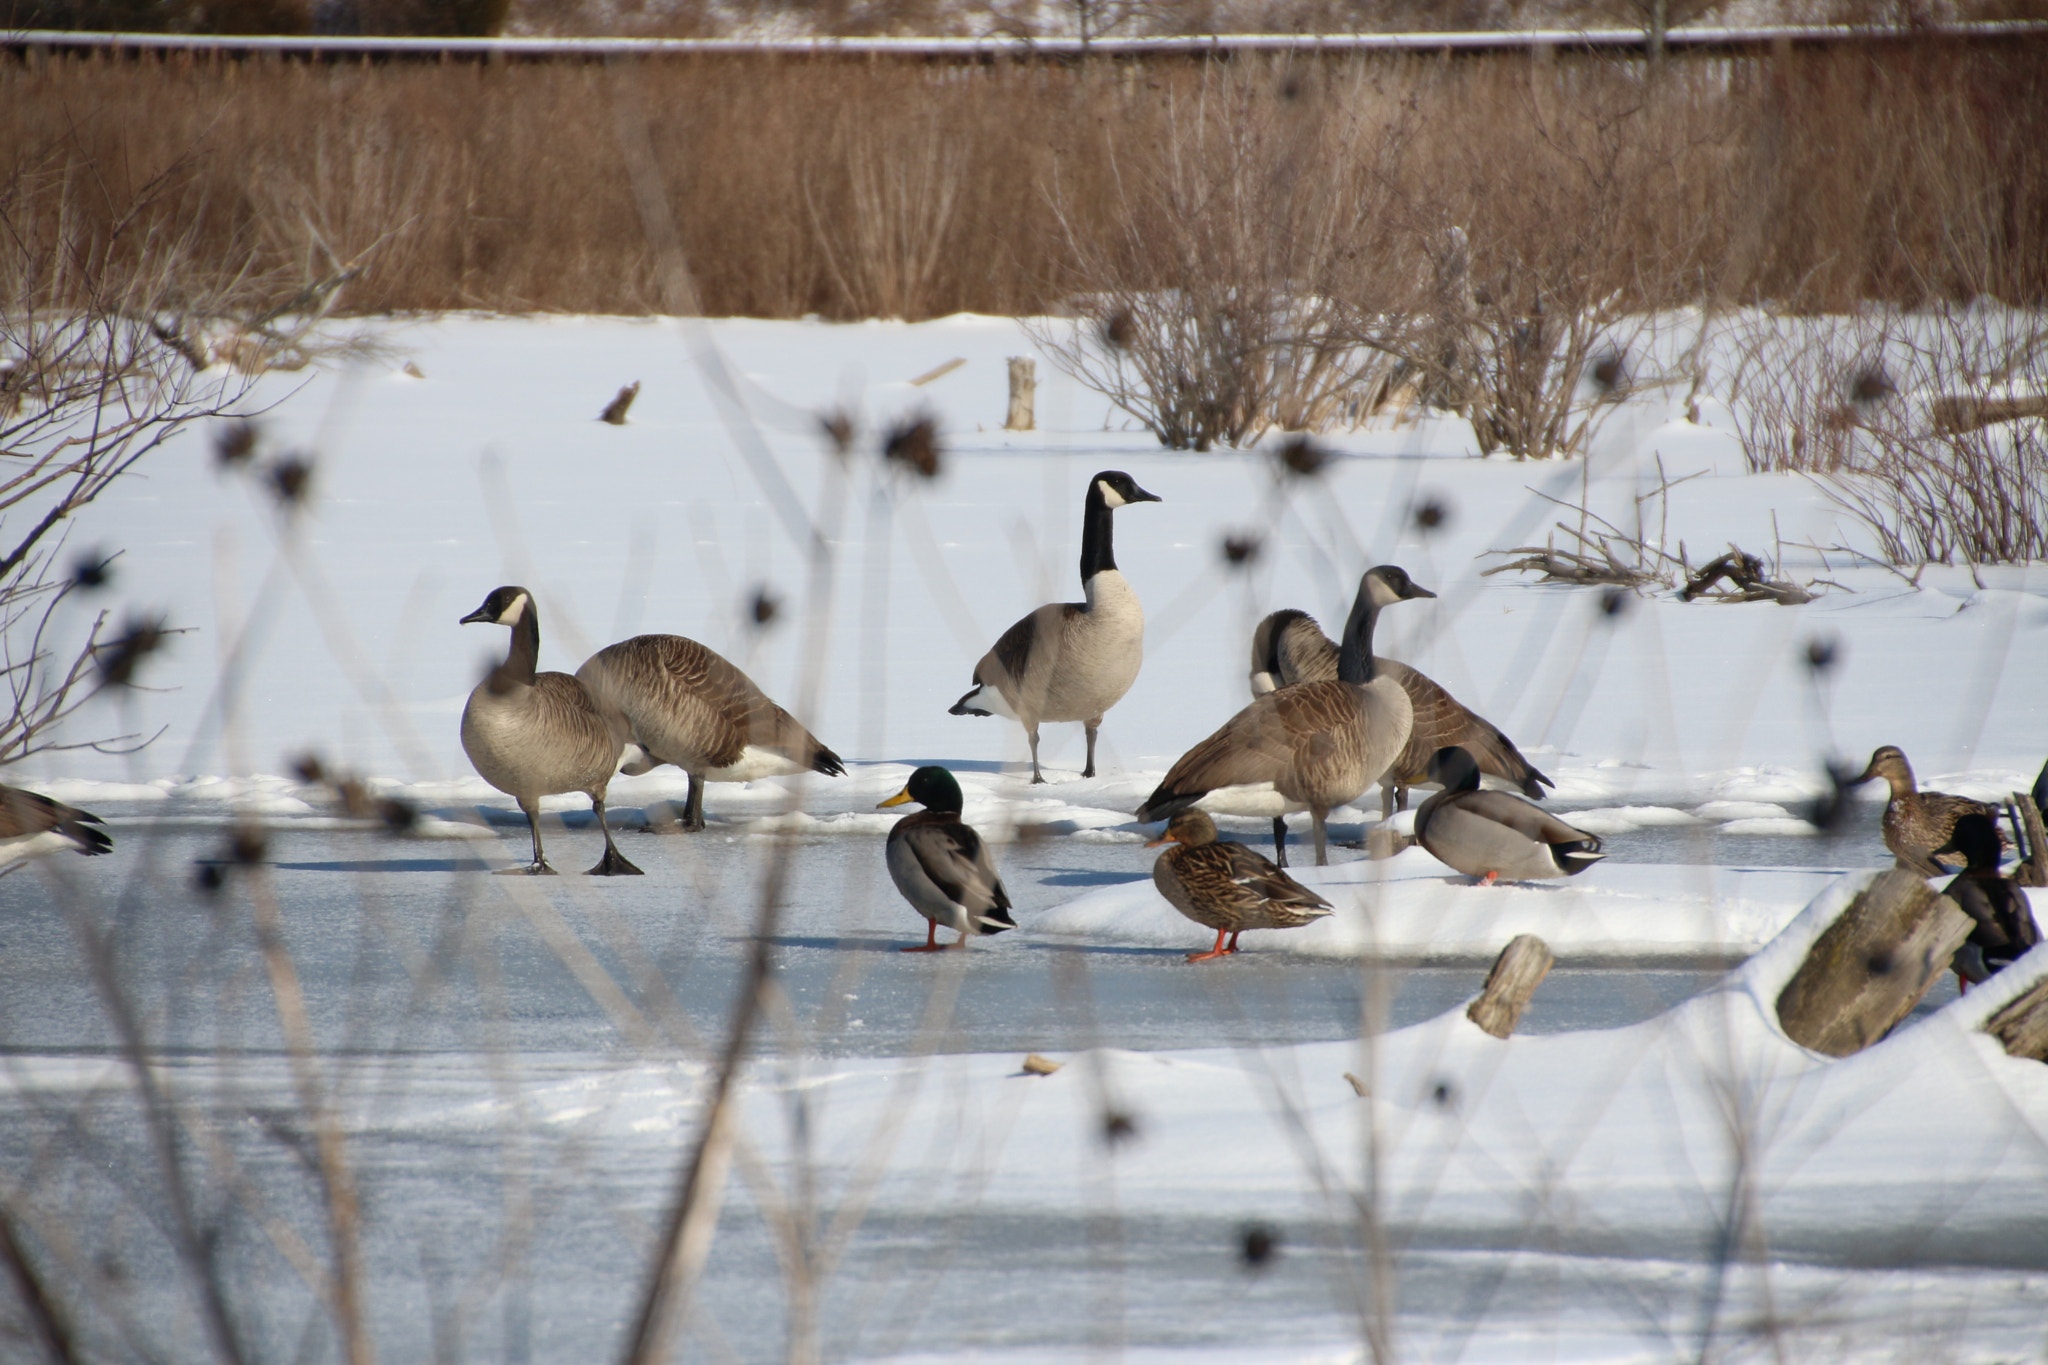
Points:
x=1576 y=857
x=994 y=921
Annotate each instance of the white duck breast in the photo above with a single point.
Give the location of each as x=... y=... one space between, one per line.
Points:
x=1070 y=661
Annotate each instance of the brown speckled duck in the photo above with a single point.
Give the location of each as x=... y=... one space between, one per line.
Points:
x=1226 y=886
x=1916 y=823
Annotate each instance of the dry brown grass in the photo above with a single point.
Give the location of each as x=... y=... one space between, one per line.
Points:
x=1814 y=179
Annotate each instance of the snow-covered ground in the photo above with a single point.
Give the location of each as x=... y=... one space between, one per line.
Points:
x=1686 y=1184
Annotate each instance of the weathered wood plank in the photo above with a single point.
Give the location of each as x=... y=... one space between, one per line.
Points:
x=2022 y=1026
x=1516 y=974
x=1023 y=394
x=1870 y=967
x=2034 y=871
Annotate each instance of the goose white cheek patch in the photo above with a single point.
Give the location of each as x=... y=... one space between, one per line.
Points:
x=1109 y=495
x=510 y=616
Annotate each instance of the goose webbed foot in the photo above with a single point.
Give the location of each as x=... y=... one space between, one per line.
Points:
x=614 y=864
x=532 y=869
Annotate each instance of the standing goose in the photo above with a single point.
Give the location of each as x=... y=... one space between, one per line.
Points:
x=1288 y=648
x=1227 y=886
x=1311 y=746
x=682 y=703
x=1070 y=660
x=535 y=734
x=1917 y=823
x=941 y=865
x=2002 y=922
x=1490 y=835
x=32 y=825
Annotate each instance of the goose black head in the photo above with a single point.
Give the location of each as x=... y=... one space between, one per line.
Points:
x=504 y=607
x=1455 y=769
x=1389 y=583
x=1118 y=489
x=1975 y=840
x=932 y=787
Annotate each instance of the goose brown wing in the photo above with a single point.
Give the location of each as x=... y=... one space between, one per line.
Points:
x=1510 y=810
x=955 y=858
x=1261 y=743
x=25 y=813
x=1440 y=720
x=682 y=699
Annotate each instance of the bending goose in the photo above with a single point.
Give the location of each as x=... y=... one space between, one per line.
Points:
x=1490 y=835
x=682 y=703
x=1288 y=648
x=32 y=825
x=1917 y=823
x=1312 y=746
x=532 y=734
x=2002 y=923
x=941 y=865
x=1227 y=886
x=1070 y=660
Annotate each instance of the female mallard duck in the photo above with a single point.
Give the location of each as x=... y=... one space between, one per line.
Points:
x=682 y=703
x=1288 y=647
x=1227 y=886
x=2002 y=923
x=1312 y=746
x=941 y=865
x=532 y=734
x=1916 y=823
x=1490 y=835
x=1070 y=660
x=32 y=825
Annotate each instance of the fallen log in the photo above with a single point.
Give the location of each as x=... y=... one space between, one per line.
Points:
x=1870 y=967
x=1516 y=974
x=2021 y=1027
x=1960 y=412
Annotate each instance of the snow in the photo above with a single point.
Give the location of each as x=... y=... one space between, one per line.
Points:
x=1684 y=1178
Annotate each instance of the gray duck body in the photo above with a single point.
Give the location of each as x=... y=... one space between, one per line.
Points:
x=1495 y=834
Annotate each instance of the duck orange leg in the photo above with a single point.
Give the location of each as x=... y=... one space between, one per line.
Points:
x=931 y=939
x=1489 y=879
x=1219 y=950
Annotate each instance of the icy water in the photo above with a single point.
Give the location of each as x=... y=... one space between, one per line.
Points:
x=436 y=991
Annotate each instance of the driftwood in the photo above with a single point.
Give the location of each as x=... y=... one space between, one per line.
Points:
x=1958 y=412
x=1023 y=394
x=939 y=371
x=1516 y=974
x=615 y=411
x=1746 y=582
x=1870 y=967
x=1567 y=566
x=2026 y=817
x=2022 y=1026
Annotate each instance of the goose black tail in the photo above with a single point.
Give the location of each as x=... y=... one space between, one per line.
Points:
x=961 y=708
x=827 y=762
x=1164 y=805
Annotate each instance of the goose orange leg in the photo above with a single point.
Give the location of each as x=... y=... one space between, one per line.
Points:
x=1219 y=950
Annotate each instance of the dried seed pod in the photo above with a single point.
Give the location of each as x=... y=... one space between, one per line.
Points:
x=235 y=442
x=839 y=428
x=291 y=478
x=1119 y=329
x=1241 y=549
x=915 y=443
x=120 y=657
x=1300 y=456
x=1432 y=514
x=93 y=570
x=765 y=606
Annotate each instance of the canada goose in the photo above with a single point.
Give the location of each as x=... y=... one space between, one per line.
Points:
x=1070 y=660
x=941 y=865
x=1288 y=648
x=682 y=703
x=1311 y=746
x=1226 y=886
x=1490 y=835
x=535 y=734
x=2003 y=926
x=1916 y=823
x=32 y=825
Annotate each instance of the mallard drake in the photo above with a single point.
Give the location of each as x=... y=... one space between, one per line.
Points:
x=32 y=825
x=1226 y=886
x=1070 y=660
x=2002 y=923
x=532 y=734
x=941 y=865
x=1491 y=834
x=1312 y=746
x=678 y=702
x=1917 y=822
x=1288 y=647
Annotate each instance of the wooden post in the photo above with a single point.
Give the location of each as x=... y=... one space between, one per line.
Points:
x=2034 y=871
x=615 y=411
x=1870 y=967
x=2022 y=1026
x=1516 y=974
x=1023 y=394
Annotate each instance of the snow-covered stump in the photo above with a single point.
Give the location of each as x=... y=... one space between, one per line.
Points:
x=1516 y=974
x=2021 y=1026
x=1023 y=394
x=1871 y=966
x=2034 y=871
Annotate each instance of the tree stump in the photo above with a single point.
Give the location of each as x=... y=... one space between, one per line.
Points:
x=615 y=411
x=1870 y=967
x=1023 y=394
x=2022 y=1026
x=1516 y=974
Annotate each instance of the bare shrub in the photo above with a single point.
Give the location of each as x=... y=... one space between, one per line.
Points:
x=1980 y=496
